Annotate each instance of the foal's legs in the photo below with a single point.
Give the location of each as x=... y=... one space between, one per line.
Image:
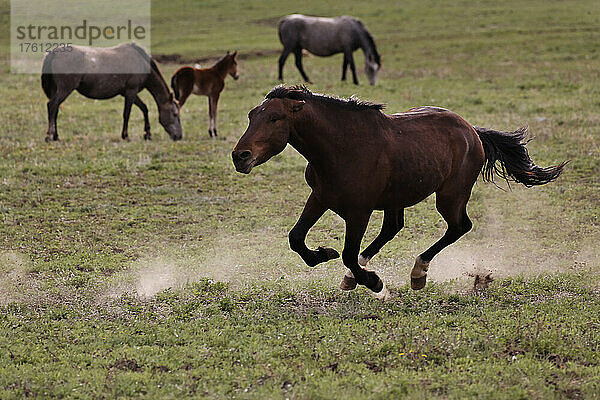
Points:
x=284 y=55
x=53 y=104
x=344 y=67
x=313 y=210
x=212 y=113
x=138 y=102
x=298 y=57
x=454 y=211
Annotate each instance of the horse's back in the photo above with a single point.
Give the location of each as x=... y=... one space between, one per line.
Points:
x=432 y=146
x=321 y=36
x=440 y=132
x=124 y=58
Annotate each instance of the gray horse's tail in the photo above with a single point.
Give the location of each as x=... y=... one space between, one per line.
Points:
x=48 y=84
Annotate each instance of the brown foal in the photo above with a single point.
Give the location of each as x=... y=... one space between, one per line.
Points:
x=205 y=82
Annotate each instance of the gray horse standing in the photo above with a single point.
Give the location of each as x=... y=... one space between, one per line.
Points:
x=103 y=73
x=327 y=36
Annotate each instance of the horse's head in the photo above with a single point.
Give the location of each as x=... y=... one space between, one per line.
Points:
x=267 y=134
x=372 y=66
x=169 y=118
x=233 y=66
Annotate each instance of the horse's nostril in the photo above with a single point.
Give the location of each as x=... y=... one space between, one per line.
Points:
x=244 y=155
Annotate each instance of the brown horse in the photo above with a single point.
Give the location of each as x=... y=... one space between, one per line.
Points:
x=207 y=82
x=360 y=160
x=92 y=72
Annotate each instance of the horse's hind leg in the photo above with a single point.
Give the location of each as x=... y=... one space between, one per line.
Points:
x=313 y=210
x=454 y=211
x=53 y=105
x=298 y=57
x=138 y=102
x=284 y=55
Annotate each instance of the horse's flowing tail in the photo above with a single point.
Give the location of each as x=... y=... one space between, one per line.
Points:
x=174 y=86
x=507 y=157
x=48 y=84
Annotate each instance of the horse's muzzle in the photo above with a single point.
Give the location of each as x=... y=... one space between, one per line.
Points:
x=243 y=161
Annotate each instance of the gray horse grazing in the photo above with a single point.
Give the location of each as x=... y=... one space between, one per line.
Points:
x=103 y=73
x=325 y=37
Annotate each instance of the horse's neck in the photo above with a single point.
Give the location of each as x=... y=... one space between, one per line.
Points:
x=318 y=140
x=157 y=87
x=365 y=43
x=222 y=67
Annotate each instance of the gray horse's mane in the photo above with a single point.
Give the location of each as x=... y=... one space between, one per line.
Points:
x=153 y=65
x=371 y=41
x=301 y=92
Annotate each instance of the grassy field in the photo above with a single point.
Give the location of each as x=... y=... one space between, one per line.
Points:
x=154 y=270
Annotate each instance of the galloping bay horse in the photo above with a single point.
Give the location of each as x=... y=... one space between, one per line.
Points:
x=360 y=160
x=208 y=82
x=325 y=37
x=103 y=73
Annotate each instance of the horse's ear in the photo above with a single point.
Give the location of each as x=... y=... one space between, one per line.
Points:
x=227 y=52
x=297 y=105
x=235 y=54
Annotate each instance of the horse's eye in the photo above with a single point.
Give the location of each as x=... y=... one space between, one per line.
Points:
x=274 y=118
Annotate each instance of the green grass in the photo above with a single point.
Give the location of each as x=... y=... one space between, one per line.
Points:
x=153 y=269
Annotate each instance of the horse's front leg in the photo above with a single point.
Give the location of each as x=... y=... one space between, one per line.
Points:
x=356 y=225
x=213 y=100
x=352 y=68
x=138 y=102
x=313 y=210
x=393 y=222
x=345 y=66
x=126 y=111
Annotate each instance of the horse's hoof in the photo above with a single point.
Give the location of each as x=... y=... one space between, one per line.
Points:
x=418 y=283
x=418 y=275
x=348 y=283
x=383 y=294
x=379 y=286
x=327 y=253
x=147 y=136
x=48 y=139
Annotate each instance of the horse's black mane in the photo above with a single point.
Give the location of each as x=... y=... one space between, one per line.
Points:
x=301 y=92
x=371 y=42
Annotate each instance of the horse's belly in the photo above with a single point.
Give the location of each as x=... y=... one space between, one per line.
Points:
x=102 y=86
